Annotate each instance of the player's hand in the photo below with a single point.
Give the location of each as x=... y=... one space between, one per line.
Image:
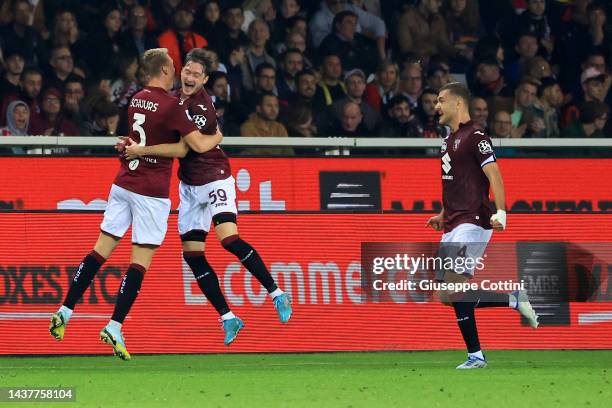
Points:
x=498 y=220
x=436 y=222
x=132 y=150
x=121 y=142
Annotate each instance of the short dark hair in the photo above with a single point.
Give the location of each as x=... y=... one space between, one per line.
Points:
x=105 y=109
x=459 y=90
x=591 y=110
x=31 y=71
x=339 y=18
x=230 y=5
x=263 y=95
x=397 y=100
x=262 y=66
x=546 y=83
x=213 y=77
x=304 y=72
x=199 y=56
x=291 y=51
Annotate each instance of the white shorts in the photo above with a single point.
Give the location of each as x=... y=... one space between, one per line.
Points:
x=199 y=204
x=147 y=215
x=465 y=244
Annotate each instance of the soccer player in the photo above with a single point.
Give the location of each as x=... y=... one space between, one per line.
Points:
x=138 y=196
x=469 y=168
x=208 y=194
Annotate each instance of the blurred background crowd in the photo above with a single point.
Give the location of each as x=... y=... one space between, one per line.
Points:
x=372 y=68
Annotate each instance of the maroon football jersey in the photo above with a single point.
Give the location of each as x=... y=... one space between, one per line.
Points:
x=155 y=117
x=197 y=169
x=465 y=187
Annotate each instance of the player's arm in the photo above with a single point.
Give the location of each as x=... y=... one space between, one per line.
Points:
x=134 y=150
x=437 y=221
x=202 y=143
x=498 y=220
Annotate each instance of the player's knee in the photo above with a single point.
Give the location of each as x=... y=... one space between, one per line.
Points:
x=194 y=235
x=237 y=246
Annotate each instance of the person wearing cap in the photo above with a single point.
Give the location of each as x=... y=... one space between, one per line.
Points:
x=355 y=83
x=180 y=39
x=354 y=49
x=593 y=88
x=51 y=122
x=550 y=100
x=592 y=121
x=9 y=83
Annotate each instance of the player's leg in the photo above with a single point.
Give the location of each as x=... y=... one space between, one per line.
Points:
x=194 y=223
x=117 y=219
x=149 y=226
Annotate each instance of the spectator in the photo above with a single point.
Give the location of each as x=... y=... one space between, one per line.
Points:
x=426 y=113
x=65 y=32
x=550 y=100
x=137 y=39
x=30 y=86
x=208 y=19
x=295 y=40
x=525 y=49
x=401 y=121
x=354 y=49
x=102 y=49
x=306 y=87
x=411 y=84
x=490 y=82
x=230 y=37
x=289 y=9
x=593 y=119
x=51 y=121
x=104 y=121
x=62 y=67
x=368 y=23
x=298 y=120
x=532 y=20
x=351 y=122
x=262 y=9
x=463 y=23
x=330 y=88
x=525 y=111
x=265 y=82
x=9 y=84
x=593 y=88
x=422 y=30
x=74 y=92
x=263 y=122
x=162 y=13
x=256 y=53
x=17 y=119
x=292 y=63
x=126 y=85
x=538 y=68
x=385 y=86
x=19 y=36
x=501 y=126
x=479 y=111
x=438 y=75
x=217 y=86
x=355 y=83
x=180 y=39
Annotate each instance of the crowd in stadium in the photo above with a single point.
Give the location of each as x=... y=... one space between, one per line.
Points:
x=314 y=68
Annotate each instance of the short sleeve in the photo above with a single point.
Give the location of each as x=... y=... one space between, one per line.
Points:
x=181 y=120
x=483 y=148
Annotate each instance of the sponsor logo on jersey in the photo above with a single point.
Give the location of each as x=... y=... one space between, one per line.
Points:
x=485 y=147
x=446 y=165
x=134 y=164
x=456 y=144
x=443 y=148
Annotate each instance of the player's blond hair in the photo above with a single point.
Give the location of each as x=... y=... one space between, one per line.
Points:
x=153 y=60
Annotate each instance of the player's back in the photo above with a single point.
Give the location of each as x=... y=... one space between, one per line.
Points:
x=153 y=116
x=198 y=169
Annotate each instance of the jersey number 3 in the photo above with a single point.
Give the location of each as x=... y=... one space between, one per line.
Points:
x=139 y=120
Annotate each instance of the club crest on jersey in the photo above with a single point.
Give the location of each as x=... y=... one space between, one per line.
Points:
x=443 y=148
x=456 y=144
x=485 y=147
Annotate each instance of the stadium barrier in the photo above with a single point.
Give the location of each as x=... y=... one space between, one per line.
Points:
x=315 y=257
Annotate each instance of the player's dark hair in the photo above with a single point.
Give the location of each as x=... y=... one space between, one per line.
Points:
x=200 y=56
x=153 y=60
x=459 y=90
x=262 y=66
x=260 y=97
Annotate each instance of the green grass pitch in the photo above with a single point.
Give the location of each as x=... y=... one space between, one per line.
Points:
x=383 y=379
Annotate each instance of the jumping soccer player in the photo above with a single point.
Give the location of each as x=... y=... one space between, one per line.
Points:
x=208 y=194
x=138 y=196
x=468 y=169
